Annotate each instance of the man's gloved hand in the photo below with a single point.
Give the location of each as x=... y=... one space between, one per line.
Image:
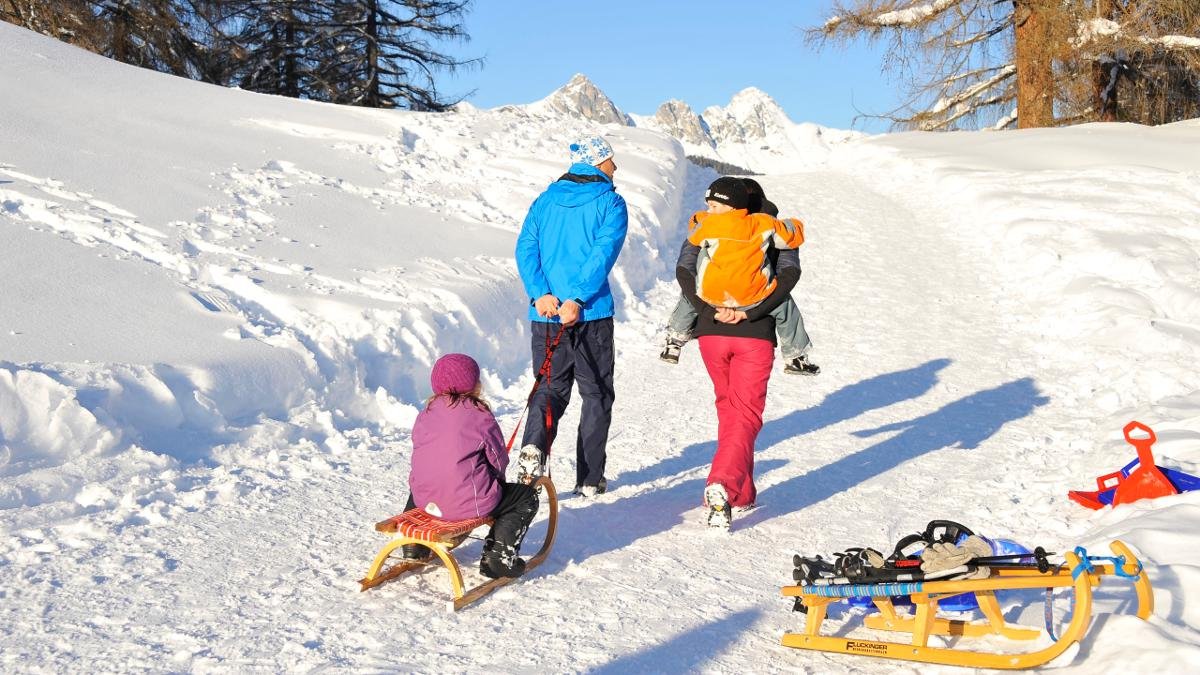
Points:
x=546 y=306
x=944 y=556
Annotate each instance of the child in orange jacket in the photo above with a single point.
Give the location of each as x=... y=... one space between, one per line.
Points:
x=733 y=269
x=737 y=249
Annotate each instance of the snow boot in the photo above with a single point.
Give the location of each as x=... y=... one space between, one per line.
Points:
x=670 y=352
x=720 y=515
x=801 y=366
x=531 y=464
x=592 y=490
x=500 y=560
x=415 y=553
x=862 y=565
x=808 y=569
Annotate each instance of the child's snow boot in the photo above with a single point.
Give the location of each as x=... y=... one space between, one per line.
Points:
x=720 y=515
x=500 y=560
x=801 y=366
x=811 y=568
x=531 y=464
x=415 y=553
x=670 y=352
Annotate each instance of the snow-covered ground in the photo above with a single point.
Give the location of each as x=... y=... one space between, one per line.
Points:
x=219 y=310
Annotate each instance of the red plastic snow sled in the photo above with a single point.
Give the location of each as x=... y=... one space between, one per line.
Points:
x=1140 y=479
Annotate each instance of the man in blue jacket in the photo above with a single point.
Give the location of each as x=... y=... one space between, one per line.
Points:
x=568 y=244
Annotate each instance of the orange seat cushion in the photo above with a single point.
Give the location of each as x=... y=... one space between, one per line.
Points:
x=417 y=524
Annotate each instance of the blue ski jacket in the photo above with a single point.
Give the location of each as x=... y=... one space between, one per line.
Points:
x=570 y=241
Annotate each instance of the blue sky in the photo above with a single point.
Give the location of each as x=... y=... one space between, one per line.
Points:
x=643 y=53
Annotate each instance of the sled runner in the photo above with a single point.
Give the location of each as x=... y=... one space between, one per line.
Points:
x=1079 y=574
x=441 y=536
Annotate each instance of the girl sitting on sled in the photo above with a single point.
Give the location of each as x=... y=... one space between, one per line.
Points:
x=458 y=464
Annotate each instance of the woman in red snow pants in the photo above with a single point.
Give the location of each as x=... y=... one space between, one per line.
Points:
x=739 y=368
x=738 y=348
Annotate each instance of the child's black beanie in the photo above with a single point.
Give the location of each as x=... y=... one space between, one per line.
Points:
x=729 y=191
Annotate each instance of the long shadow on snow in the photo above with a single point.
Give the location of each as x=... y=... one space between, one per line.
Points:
x=964 y=423
x=846 y=403
x=603 y=526
x=687 y=651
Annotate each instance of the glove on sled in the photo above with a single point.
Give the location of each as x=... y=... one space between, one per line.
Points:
x=943 y=556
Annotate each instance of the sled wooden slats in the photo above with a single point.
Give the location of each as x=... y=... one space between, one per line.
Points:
x=417 y=524
x=925 y=622
x=441 y=536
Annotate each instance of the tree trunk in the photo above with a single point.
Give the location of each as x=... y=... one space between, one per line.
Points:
x=1035 y=65
x=291 y=79
x=1105 y=74
x=121 y=31
x=374 y=97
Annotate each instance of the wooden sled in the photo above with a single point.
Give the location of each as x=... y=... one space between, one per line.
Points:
x=441 y=536
x=925 y=622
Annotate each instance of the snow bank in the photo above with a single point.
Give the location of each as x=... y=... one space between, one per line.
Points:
x=190 y=262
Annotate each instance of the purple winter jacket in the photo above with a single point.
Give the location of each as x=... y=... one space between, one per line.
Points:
x=458 y=460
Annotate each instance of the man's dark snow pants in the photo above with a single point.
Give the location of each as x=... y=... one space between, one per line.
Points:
x=584 y=357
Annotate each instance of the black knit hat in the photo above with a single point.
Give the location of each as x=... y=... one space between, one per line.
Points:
x=729 y=191
x=755 y=196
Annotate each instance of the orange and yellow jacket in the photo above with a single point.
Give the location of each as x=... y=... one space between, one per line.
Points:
x=733 y=269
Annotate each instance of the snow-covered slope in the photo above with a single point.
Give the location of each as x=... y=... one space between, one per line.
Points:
x=218 y=260
x=220 y=309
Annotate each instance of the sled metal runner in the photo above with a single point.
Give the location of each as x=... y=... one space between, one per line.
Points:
x=440 y=536
x=1077 y=574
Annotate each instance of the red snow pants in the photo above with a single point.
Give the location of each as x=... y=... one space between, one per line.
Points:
x=740 y=368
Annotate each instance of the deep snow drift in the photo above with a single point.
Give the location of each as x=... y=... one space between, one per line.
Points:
x=220 y=310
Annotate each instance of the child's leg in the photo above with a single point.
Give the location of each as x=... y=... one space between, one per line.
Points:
x=518 y=505
x=414 y=551
x=789 y=324
x=682 y=323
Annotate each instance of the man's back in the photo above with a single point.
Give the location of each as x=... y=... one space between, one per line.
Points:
x=570 y=240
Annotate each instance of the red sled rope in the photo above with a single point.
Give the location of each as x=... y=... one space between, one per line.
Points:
x=543 y=372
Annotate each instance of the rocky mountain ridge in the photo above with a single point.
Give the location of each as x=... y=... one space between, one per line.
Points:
x=752 y=131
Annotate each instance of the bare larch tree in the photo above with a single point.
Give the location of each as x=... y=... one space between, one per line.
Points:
x=1031 y=63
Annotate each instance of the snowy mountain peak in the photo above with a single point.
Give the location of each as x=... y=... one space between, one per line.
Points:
x=752 y=132
x=751 y=115
x=580 y=97
x=677 y=119
x=753 y=97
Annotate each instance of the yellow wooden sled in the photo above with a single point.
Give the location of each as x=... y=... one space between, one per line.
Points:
x=925 y=622
x=441 y=536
